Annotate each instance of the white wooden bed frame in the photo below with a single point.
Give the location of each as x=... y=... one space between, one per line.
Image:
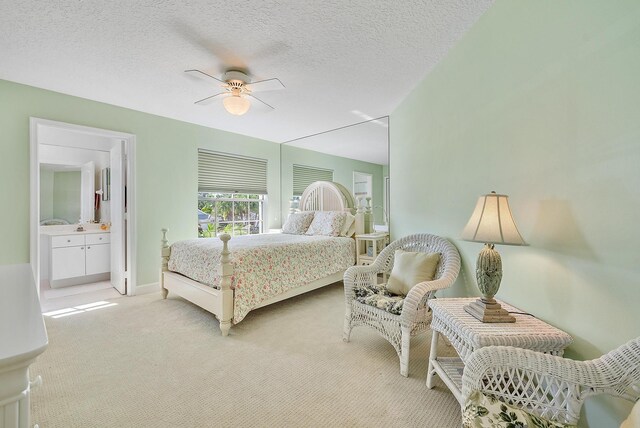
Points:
x=319 y=196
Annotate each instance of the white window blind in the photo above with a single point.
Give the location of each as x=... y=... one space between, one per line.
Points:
x=305 y=175
x=225 y=173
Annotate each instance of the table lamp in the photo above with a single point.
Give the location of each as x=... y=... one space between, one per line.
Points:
x=491 y=223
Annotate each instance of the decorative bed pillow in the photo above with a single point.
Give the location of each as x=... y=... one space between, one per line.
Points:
x=485 y=411
x=349 y=227
x=327 y=223
x=298 y=223
x=411 y=268
x=352 y=229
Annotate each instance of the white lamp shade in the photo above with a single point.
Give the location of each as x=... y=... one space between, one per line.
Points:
x=236 y=105
x=492 y=222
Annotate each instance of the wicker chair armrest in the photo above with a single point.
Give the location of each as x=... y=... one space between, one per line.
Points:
x=359 y=275
x=419 y=291
x=552 y=386
x=353 y=271
x=547 y=385
x=492 y=360
x=416 y=295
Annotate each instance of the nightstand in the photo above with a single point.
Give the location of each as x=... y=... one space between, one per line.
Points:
x=467 y=334
x=369 y=245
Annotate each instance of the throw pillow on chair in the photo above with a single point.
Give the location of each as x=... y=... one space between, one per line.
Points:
x=411 y=268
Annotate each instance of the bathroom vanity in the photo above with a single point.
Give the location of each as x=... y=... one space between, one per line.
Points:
x=75 y=257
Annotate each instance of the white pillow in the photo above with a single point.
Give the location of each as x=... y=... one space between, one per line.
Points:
x=352 y=229
x=349 y=223
x=298 y=223
x=411 y=268
x=327 y=223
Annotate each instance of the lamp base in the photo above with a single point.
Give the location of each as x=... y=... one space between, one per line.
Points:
x=488 y=311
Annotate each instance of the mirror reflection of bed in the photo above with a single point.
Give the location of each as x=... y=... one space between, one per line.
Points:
x=356 y=156
x=229 y=277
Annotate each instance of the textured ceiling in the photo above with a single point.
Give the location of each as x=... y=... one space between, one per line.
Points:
x=341 y=61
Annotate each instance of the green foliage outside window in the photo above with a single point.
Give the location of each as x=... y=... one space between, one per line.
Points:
x=232 y=213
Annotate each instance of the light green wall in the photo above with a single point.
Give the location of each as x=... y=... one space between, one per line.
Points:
x=46 y=194
x=166 y=168
x=539 y=100
x=66 y=195
x=343 y=169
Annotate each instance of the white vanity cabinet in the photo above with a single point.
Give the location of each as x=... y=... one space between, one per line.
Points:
x=67 y=256
x=78 y=255
x=98 y=254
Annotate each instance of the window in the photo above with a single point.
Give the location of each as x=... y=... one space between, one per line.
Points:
x=232 y=213
x=231 y=194
x=305 y=175
x=225 y=173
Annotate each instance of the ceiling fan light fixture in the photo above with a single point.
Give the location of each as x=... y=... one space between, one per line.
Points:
x=236 y=105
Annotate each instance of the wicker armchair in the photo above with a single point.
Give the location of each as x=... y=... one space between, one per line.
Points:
x=415 y=317
x=548 y=386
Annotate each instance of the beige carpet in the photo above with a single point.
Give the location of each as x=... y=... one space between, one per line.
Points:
x=149 y=362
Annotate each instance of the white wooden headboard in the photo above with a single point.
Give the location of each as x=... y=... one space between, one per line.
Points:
x=327 y=196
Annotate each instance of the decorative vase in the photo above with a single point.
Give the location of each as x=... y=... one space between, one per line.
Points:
x=489 y=272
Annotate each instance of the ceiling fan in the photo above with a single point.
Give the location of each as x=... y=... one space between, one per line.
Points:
x=238 y=89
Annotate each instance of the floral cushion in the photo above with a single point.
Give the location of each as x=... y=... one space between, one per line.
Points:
x=482 y=411
x=298 y=223
x=328 y=223
x=378 y=296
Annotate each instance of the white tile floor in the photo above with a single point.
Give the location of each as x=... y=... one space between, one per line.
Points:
x=52 y=299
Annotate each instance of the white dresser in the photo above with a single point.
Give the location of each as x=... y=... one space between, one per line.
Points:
x=22 y=338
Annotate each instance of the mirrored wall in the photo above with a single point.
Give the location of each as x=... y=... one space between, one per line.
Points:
x=355 y=156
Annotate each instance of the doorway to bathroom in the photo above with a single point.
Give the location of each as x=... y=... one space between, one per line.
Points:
x=82 y=211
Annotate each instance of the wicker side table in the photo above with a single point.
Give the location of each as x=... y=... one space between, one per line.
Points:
x=467 y=334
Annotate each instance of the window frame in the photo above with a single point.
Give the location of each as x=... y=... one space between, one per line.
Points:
x=247 y=198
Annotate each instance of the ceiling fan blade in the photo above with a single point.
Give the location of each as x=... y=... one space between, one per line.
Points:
x=254 y=97
x=273 y=84
x=208 y=100
x=199 y=74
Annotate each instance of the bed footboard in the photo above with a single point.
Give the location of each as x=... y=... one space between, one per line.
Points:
x=165 y=252
x=218 y=302
x=226 y=268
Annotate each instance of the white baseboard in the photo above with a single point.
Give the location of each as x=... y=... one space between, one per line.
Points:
x=154 y=287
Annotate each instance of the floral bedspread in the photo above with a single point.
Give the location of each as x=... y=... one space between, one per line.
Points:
x=263 y=265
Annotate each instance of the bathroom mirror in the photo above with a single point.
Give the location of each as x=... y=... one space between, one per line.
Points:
x=349 y=155
x=66 y=193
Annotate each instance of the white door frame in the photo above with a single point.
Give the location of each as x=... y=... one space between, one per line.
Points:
x=34 y=222
x=369 y=183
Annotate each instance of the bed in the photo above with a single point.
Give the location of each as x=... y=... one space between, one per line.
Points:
x=263 y=269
